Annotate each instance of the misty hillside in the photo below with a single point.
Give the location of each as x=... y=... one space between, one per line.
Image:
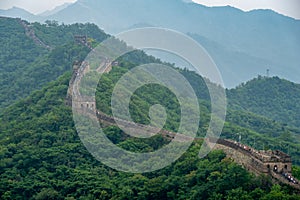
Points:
x=243 y=44
x=18 y=13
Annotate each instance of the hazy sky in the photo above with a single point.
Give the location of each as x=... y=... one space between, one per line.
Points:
x=33 y=6
x=286 y=7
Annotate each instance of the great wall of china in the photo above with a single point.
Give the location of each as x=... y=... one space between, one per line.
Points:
x=31 y=34
x=275 y=164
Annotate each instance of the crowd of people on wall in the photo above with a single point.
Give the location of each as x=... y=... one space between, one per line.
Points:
x=290 y=178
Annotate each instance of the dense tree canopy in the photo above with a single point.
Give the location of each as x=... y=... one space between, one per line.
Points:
x=272 y=97
x=42 y=157
x=27 y=66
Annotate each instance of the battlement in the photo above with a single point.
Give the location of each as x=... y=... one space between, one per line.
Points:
x=262 y=161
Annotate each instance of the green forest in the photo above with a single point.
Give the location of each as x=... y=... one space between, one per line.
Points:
x=42 y=156
x=26 y=66
x=268 y=96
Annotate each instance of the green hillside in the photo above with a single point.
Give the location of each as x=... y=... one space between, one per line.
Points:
x=27 y=66
x=256 y=131
x=275 y=98
x=43 y=158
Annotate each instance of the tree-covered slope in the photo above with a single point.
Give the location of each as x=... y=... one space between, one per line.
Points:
x=257 y=131
x=26 y=66
x=42 y=158
x=54 y=34
x=275 y=98
x=17 y=51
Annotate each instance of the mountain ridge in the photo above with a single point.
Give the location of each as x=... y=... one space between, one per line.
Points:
x=268 y=96
x=17 y=12
x=54 y=10
x=264 y=38
x=262 y=34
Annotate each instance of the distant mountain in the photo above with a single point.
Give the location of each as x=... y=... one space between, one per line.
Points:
x=275 y=98
x=19 y=13
x=55 y=10
x=243 y=44
x=235 y=66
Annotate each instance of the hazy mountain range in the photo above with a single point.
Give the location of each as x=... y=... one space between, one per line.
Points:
x=243 y=44
x=55 y=10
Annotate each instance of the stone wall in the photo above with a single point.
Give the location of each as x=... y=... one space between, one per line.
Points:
x=248 y=162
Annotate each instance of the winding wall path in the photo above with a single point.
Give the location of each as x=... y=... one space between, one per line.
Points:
x=253 y=160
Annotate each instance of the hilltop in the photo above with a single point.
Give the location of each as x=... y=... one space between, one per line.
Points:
x=273 y=97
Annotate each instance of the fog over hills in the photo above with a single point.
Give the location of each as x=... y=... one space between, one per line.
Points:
x=243 y=44
x=55 y=10
x=19 y=12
